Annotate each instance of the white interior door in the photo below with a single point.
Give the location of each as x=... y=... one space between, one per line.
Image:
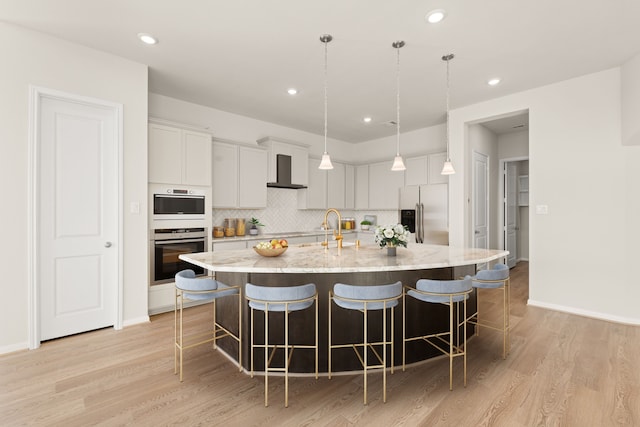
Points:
x=510 y=206
x=480 y=200
x=77 y=215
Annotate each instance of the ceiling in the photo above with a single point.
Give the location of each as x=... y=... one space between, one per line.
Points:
x=241 y=56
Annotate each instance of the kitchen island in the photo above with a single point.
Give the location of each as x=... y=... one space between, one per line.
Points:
x=357 y=265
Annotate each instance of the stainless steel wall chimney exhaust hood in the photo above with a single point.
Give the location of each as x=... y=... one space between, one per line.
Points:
x=283 y=173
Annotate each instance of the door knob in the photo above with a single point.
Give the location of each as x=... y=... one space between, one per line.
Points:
x=107 y=245
x=477 y=232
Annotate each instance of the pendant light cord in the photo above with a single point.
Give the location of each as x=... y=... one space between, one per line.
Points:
x=449 y=57
x=398 y=102
x=325 y=96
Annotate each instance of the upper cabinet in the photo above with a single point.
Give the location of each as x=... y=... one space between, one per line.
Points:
x=327 y=188
x=315 y=195
x=299 y=159
x=361 y=196
x=179 y=156
x=239 y=176
x=425 y=169
x=384 y=186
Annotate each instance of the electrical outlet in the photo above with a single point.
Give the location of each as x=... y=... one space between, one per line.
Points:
x=542 y=209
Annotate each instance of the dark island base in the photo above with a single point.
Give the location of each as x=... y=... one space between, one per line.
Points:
x=422 y=318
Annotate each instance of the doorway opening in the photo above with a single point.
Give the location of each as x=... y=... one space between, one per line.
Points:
x=504 y=140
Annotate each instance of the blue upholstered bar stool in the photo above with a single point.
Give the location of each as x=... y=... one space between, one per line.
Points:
x=284 y=299
x=188 y=287
x=447 y=292
x=495 y=278
x=366 y=299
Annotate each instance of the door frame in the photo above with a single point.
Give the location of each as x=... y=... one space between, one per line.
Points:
x=36 y=94
x=501 y=216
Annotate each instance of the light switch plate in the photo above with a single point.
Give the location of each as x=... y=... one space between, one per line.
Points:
x=542 y=209
x=134 y=207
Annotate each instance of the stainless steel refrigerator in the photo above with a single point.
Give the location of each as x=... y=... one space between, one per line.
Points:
x=424 y=210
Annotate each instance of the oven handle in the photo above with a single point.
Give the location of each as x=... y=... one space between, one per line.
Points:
x=167 y=242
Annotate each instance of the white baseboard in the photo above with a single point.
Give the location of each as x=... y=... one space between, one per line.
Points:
x=136 y=321
x=585 y=313
x=14 y=347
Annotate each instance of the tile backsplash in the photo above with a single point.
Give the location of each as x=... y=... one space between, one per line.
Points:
x=282 y=214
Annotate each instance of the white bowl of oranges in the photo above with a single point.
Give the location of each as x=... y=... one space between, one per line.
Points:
x=273 y=247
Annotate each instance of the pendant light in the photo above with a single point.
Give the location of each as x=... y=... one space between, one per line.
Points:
x=448 y=169
x=398 y=164
x=326 y=160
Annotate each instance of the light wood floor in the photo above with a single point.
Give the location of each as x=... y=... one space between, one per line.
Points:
x=563 y=370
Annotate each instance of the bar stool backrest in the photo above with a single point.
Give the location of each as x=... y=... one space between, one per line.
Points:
x=272 y=298
x=186 y=281
x=353 y=296
x=498 y=273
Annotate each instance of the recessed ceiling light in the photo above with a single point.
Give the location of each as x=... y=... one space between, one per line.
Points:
x=435 y=16
x=292 y=91
x=147 y=38
x=493 y=82
x=367 y=120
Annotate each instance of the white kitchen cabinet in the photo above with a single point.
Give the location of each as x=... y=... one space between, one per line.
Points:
x=336 y=184
x=299 y=159
x=315 y=195
x=179 y=156
x=361 y=196
x=425 y=170
x=417 y=170
x=436 y=161
x=252 y=184
x=239 y=176
x=349 y=187
x=384 y=186
x=225 y=175
x=326 y=188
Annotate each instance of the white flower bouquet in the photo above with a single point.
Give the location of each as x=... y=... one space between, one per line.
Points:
x=392 y=235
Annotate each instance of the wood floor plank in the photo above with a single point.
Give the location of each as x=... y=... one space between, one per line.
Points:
x=563 y=370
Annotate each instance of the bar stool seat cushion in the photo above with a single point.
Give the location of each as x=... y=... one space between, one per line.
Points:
x=444 y=287
x=374 y=292
x=186 y=281
x=494 y=277
x=278 y=294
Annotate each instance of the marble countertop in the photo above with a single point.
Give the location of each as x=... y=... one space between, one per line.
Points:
x=313 y=258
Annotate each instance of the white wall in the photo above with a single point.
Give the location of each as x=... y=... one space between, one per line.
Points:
x=583 y=252
x=31 y=58
x=630 y=91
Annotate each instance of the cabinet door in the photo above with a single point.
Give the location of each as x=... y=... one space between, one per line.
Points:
x=417 y=171
x=336 y=186
x=349 y=187
x=299 y=165
x=436 y=161
x=252 y=189
x=196 y=155
x=165 y=154
x=362 y=187
x=315 y=196
x=225 y=175
x=384 y=186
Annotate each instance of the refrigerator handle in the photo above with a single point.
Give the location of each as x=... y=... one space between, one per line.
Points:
x=421 y=223
x=418 y=223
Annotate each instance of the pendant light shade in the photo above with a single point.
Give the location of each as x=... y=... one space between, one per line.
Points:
x=326 y=159
x=447 y=168
x=398 y=163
